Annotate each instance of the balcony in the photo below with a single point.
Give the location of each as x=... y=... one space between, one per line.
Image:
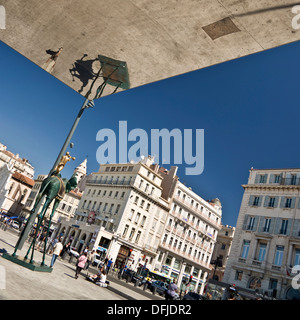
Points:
x=257 y=263
x=198 y=212
x=184 y=254
x=110 y=182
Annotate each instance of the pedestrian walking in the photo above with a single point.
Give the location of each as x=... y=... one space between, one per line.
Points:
x=171 y=292
x=56 y=252
x=65 y=249
x=109 y=263
x=90 y=258
x=41 y=241
x=80 y=264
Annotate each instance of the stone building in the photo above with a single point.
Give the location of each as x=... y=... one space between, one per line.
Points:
x=16 y=182
x=142 y=210
x=266 y=245
x=221 y=252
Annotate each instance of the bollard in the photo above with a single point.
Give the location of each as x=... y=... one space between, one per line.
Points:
x=71 y=258
x=154 y=290
x=145 y=286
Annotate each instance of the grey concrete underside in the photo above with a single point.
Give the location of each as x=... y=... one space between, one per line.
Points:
x=158 y=39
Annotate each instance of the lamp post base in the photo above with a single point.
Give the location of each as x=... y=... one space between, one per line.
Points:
x=34 y=266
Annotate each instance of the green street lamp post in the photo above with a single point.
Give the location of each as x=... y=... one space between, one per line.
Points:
x=114 y=73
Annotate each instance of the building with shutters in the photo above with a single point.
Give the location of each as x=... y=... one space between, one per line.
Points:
x=145 y=208
x=266 y=244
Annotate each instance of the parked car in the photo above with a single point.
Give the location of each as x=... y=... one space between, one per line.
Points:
x=194 y=296
x=73 y=252
x=160 y=287
x=132 y=276
x=97 y=261
x=15 y=224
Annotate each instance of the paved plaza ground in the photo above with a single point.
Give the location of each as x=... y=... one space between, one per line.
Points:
x=24 y=284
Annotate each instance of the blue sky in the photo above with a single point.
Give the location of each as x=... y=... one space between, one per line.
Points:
x=248 y=108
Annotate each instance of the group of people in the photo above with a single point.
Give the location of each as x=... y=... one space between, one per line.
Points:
x=83 y=261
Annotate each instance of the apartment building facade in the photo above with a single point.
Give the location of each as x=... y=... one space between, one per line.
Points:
x=190 y=234
x=121 y=211
x=221 y=252
x=16 y=181
x=142 y=209
x=266 y=245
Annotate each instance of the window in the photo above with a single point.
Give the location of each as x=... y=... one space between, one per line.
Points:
x=272 y=202
x=278 y=255
x=245 y=249
x=138 y=237
x=288 y=203
x=261 y=252
x=177 y=264
x=293 y=179
x=111 y=208
x=297 y=257
x=143 y=221
x=267 y=225
x=131 y=233
x=141 y=183
x=125 y=230
x=238 y=275
x=251 y=223
x=137 y=218
x=168 y=261
x=130 y=214
x=117 y=209
x=255 y=201
x=283 y=229
x=263 y=178
x=277 y=178
x=273 y=284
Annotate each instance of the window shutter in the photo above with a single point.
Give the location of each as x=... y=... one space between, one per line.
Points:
x=255 y=223
x=282 y=202
x=272 y=224
x=288 y=229
x=266 y=178
x=277 y=225
x=259 y=201
x=266 y=202
x=251 y=199
x=295 y=232
x=261 y=224
x=272 y=178
x=245 y=222
x=276 y=202
x=293 y=202
x=257 y=177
